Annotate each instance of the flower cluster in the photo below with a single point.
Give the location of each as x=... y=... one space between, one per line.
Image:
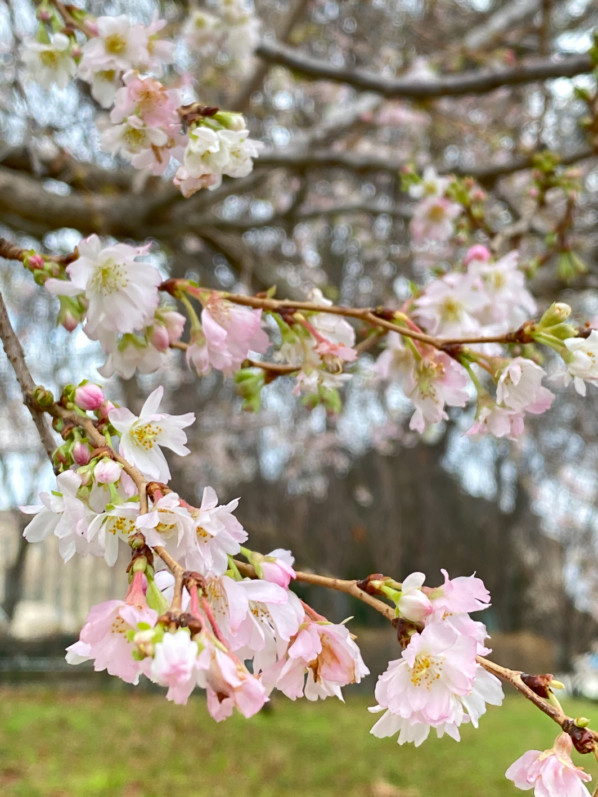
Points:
x=117 y=296
x=232 y=29
x=437 y=683
x=218 y=145
x=430 y=379
x=319 y=345
x=486 y=298
x=434 y=214
x=121 y=61
x=223 y=619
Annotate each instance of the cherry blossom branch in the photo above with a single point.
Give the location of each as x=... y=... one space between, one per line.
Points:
x=473 y=82
x=374 y=316
x=350 y=587
x=69 y=19
x=584 y=738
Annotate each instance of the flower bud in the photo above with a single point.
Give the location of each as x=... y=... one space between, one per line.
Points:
x=107 y=471
x=104 y=409
x=556 y=314
x=89 y=396
x=477 y=252
x=174 y=323
x=159 y=337
x=35 y=262
x=81 y=453
x=231 y=120
x=69 y=321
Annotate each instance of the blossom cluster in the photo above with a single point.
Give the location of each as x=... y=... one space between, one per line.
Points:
x=437 y=682
x=207 y=622
x=223 y=620
x=148 y=126
x=116 y=295
x=232 y=28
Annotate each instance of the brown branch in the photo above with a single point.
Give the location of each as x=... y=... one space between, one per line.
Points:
x=474 y=82
x=241 y=102
x=376 y=317
x=16 y=357
x=70 y=20
x=514 y=678
x=341 y=585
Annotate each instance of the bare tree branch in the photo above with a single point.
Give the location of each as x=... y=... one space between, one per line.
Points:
x=475 y=82
x=506 y=17
x=16 y=357
x=241 y=102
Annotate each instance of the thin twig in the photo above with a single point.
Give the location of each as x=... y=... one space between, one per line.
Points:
x=16 y=357
x=341 y=585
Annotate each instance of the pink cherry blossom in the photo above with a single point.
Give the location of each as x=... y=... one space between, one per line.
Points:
x=64 y=515
x=218 y=534
x=168 y=524
x=277 y=566
x=436 y=381
x=497 y=421
x=148 y=99
x=460 y=595
x=436 y=666
x=581 y=360
x=174 y=665
x=49 y=63
x=431 y=185
x=477 y=252
x=228 y=684
x=326 y=653
x=449 y=306
x=273 y=616
x=229 y=333
x=433 y=219
x=104 y=637
x=134 y=353
x=550 y=773
x=414 y=604
x=108 y=527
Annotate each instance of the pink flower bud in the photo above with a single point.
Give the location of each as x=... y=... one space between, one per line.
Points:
x=477 y=252
x=36 y=261
x=81 y=453
x=107 y=471
x=159 y=337
x=174 y=323
x=89 y=396
x=69 y=321
x=105 y=409
x=277 y=567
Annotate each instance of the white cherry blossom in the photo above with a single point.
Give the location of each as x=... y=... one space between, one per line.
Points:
x=49 y=63
x=142 y=435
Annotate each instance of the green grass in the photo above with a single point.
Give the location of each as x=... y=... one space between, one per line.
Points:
x=62 y=744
